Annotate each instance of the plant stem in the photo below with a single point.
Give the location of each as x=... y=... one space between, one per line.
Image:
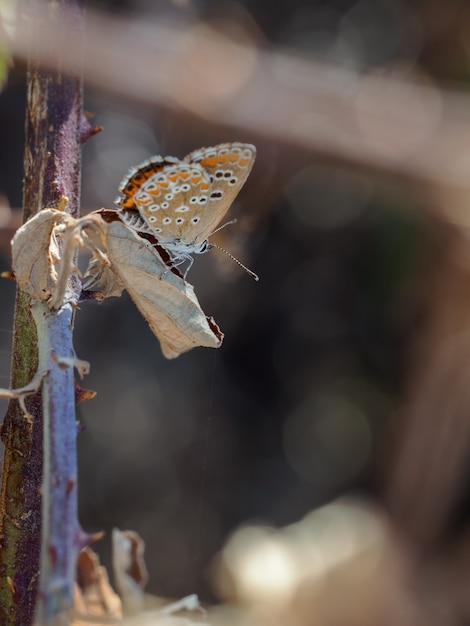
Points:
x=52 y=172
x=61 y=535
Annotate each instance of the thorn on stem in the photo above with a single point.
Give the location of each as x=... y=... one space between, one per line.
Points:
x=62 y=204
x=83 y=394
x=11 y=585
x=70 y=485
x=52 y=551
x=85 y=539
x=87 y=130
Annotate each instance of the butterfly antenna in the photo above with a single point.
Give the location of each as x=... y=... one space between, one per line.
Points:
x=213 y=245
x=234 y=221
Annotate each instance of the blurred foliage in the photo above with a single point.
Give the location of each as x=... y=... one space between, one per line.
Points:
x=7 y=16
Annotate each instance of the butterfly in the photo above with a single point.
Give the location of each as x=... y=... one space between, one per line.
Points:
x=181 y=202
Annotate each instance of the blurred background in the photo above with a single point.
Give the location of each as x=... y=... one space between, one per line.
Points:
x=344 y=370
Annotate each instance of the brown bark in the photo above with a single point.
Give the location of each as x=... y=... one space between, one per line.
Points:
x=52 y=172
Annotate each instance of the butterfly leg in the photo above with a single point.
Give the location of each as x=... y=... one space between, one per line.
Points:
x=178 y=260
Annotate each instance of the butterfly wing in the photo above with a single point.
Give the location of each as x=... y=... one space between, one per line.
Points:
x=169 y=196
x=130 y=187
x=228 y=166
x=182 y=202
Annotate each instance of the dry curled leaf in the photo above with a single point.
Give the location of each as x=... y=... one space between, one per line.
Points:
x=167 y=302
x=94 y=597
x=119 y=259
x=130 y=572
x=35 y=254
x=100 y=280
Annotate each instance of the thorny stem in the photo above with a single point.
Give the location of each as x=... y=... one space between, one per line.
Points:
x=52 y=172
x=61 y=535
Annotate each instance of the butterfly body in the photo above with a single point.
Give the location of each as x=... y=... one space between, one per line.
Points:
x=181 y=202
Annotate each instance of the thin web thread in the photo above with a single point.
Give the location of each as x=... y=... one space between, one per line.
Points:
x=197 y=558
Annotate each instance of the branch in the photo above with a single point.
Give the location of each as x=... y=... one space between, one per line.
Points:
x=52 y=174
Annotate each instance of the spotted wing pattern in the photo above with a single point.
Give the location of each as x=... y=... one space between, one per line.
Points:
x=182 y=202
x=228 y=166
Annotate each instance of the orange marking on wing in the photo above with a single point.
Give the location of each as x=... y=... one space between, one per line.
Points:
x=143 y=200
x=234 y=157
x=196 y=179
x=204 y=186
x=153 y=192
x=209 y=162
x=222 y=158
x=164 y=184
x=150 y=170
x=184 y=175
x=244 y=162
x=127 y=203
x=173 y=177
